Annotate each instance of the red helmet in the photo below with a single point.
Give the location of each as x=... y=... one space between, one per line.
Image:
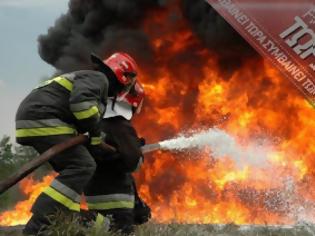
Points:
x=135 y=97
x=121 y=64
x=124 y=67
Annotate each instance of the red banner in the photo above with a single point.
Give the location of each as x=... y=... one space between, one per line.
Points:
x=280 y=30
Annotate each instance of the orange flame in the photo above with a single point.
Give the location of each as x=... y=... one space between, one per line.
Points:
x=21 y=212
x=196 y=188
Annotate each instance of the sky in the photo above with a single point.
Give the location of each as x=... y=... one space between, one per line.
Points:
x=21 y=68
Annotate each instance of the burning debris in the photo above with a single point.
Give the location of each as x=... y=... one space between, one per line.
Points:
x=196 y=69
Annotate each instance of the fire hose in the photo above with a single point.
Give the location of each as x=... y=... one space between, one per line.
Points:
x=55 y=150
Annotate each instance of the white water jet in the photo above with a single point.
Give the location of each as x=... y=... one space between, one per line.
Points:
x=221 y=144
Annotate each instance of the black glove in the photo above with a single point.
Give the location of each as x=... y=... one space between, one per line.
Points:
x=96 y=151
x=142 y=141
x=142 y=212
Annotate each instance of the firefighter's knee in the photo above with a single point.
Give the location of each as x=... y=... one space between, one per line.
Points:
x=89 y=168
x=85 y=169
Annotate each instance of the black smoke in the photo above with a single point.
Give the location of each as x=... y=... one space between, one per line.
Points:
x=99 y=26
x=217 y=35
x=105 y=26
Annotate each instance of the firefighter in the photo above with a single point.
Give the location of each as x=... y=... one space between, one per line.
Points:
x=112 y=190
x=59 y=109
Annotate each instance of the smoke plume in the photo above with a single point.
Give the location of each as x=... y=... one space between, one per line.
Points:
x=217 y=35
x=105 y=26
x=99 y=26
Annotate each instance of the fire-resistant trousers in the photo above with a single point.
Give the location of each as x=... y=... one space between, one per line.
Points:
x=75 y=166
x=112 y=194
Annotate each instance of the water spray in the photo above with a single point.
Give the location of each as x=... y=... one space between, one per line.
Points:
x=219 y=142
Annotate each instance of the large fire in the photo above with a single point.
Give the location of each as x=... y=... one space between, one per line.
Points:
x=192 y=92
x=184 y=94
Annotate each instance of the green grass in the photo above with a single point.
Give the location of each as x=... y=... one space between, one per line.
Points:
x=70 y=226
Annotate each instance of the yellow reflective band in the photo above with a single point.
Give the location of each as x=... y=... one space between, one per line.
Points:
x=60 y=80
x=64 y=83
x=20 y=133
x=110 y=205
x=86 y=113
x=96 y=140
x=67 y=202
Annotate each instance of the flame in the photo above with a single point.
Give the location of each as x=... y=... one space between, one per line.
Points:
x=21 y=213
x=188 y=90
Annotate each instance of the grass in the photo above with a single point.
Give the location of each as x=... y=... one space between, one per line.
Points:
x=70 y=226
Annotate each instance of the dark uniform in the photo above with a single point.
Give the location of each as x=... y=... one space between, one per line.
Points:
x=112 y=189
x=52 y=113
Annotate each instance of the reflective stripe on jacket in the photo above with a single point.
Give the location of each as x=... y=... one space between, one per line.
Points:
x=34 y=128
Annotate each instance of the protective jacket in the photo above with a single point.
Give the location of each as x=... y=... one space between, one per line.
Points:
x=64 y=105
x=122 y=135
x=51 y=114
x=112 y=190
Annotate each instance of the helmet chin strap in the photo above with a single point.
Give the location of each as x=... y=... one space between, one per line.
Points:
x=117 y=99
x=114 y=102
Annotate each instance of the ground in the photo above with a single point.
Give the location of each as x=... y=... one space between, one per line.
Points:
x=151 y=229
